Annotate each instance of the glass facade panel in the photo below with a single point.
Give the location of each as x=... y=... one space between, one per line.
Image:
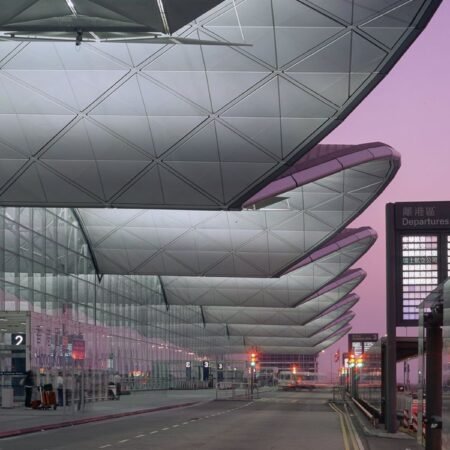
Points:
x=90 y=327
x=369 y=377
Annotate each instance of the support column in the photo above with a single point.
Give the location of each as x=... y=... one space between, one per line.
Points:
x=390 y=362
x=433 y=436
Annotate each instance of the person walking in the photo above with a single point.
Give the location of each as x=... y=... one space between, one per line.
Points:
x=60 y=388
x=78 y=393
x=118 y=383
x=28 y=383
x=69 y=388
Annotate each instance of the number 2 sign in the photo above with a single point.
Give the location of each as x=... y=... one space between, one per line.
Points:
x=18 y=339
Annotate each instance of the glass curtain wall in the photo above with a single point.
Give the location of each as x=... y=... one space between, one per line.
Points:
x=369 y=378
x=85 y=323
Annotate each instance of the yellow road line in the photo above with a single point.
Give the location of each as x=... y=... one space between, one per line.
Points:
x=343 y=428
x=357 y=444
x=344 y=433
x=351 y=433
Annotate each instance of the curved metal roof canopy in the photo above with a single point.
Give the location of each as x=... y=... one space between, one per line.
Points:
x=292 y=331
x=321 y=194
x=219 y=315
x=276 y=341
x=264 y=331
x=268 y=316
x=338 y=297
x=188 y=126
x=341 y=286
x=304 y=350
x=301 y=326
x=290 y=290
x=309 y=320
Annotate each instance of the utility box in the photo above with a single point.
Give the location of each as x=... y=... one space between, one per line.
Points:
x=7 y=397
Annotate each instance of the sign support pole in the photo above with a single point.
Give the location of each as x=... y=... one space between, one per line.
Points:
x=390 y=385
x=434 y=344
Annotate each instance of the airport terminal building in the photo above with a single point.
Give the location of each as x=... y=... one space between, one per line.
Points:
x=166 y=206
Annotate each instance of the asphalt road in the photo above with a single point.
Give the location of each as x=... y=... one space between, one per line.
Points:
x=279 y=420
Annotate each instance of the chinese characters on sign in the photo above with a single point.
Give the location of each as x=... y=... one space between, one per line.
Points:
x=423 y=216
x=418 y=259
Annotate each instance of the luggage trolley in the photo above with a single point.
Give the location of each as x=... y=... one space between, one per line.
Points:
x=112 y=391
x=47 y=398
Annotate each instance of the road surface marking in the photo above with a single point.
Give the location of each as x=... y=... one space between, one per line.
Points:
x=175 y=426
x=357 y=444
x=153 y=432
x=104 y=446
x=123 y=441
x=184 y=423
x=139 y=436
x=343 y=428
x=165 y=429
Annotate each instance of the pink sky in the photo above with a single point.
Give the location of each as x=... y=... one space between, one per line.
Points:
x=409 y=110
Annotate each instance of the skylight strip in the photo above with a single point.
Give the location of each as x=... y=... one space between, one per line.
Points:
x=238 y=20
x=95 y=36
x=71 y=7
x=163 y=17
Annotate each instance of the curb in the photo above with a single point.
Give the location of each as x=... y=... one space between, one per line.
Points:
x=70 y=423
x=376 y=433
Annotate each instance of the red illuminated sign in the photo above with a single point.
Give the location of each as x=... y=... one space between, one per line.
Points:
x=78 y=349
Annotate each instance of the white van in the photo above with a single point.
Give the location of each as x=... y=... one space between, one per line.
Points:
x=299 y=380
x=287 y=380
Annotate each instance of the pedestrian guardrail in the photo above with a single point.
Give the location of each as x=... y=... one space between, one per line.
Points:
x=236 y=391
x=372 y=419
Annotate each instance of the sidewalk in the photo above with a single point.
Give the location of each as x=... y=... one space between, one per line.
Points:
x=378 y=439
x=22 y=420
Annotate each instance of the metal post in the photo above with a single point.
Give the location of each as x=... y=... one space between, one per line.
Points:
x=383 y=383
x=390 y=387
x=433 y=436
x=331 y=368
x=404 y=374
x=354 y=392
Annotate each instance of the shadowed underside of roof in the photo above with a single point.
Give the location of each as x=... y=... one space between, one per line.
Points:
x=314 y=202
x=313 y=325
x=287 y=291
x=186 y=126
x=51 y=16
x=304 y=350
